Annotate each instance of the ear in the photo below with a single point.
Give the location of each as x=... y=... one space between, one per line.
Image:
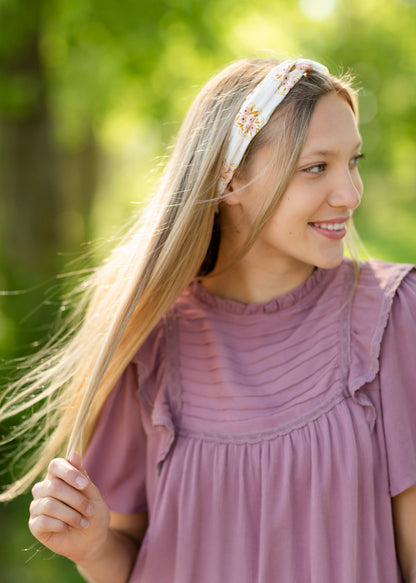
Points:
x=232 y=194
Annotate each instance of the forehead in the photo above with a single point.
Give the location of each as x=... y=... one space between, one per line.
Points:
x=333 y=127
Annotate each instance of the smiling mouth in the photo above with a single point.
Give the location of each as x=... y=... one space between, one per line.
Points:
x=335 y=229
x=330 y=226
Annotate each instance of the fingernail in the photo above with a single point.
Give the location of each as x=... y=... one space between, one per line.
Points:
x=82 y=482
x=84 y=523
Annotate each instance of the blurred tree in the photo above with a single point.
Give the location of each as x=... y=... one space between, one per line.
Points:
x=27 y=171
x=64 y=65
x=29 y=179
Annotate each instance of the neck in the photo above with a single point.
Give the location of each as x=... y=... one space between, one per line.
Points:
x=250 y=281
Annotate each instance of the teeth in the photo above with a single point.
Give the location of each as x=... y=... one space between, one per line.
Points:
x=330 y=226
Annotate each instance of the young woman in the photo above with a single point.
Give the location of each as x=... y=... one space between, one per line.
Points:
x=243 y=394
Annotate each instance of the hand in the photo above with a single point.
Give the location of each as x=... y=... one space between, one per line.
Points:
x=68 y=514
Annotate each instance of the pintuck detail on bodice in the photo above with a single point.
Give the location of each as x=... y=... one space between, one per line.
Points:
x=237 y=373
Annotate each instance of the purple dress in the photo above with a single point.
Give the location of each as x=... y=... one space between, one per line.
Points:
x=266 y=440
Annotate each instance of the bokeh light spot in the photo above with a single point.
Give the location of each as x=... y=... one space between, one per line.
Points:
x=317 y=9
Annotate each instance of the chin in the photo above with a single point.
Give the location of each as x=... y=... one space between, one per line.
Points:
x=330 y=262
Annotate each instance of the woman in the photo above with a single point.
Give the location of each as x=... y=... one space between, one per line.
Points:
x=251 y=414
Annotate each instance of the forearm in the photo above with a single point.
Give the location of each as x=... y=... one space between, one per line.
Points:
x=114 y=562
x=404 y=515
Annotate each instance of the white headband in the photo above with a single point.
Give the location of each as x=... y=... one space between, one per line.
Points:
x=258 y=108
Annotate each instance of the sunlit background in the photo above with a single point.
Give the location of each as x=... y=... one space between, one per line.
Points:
x=91 y=94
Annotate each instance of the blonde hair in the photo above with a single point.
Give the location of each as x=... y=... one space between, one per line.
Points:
x=173 y=242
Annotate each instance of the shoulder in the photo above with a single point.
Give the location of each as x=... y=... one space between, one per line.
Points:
x=382 y=275
x=369 y=285
x=380 y=284
x=379 y=290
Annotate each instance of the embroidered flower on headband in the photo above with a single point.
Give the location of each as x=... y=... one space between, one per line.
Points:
x=258 y=108
x=249 y=121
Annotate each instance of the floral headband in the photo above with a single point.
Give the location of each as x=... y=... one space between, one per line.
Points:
x=258 y=108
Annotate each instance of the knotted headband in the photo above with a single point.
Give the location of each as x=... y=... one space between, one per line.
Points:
x=258 y=108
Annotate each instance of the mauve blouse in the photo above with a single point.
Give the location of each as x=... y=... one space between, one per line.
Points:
x=266 y=440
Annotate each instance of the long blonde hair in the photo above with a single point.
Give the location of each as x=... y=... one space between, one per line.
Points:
x=119 y=304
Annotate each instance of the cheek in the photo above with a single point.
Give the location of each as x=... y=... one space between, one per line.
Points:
x=283 y=227
x=290 y=214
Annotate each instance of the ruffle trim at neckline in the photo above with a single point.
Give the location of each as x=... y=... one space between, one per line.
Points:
x=318 y=276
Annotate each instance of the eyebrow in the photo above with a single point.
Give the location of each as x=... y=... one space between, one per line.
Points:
x=328 y=152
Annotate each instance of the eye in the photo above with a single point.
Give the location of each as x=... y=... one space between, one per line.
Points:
x=354 y=162
x=315 y=169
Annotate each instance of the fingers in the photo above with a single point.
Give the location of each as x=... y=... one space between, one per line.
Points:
x=68 y=514
x=75 y=460
x=50 y=515
x=90 y=490
x=48 y=493
x=61 y=501
x=59 y=510
x=65 y=471
x=72 y=473
x=41 y=525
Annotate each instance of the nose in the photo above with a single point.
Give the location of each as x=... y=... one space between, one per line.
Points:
x=347 y=190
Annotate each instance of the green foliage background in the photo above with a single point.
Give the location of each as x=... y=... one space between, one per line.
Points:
x=91 y=92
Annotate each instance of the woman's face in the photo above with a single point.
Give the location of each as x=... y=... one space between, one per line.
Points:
x=309 y=224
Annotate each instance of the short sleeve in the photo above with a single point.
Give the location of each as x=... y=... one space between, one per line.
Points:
x=398 y=387
x=116 y=456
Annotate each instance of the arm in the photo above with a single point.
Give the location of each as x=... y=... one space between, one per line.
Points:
x=117 y=557
x=404 y=516
x=69 y=516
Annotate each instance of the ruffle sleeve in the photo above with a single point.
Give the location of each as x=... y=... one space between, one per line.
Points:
x=116 y=458
x=398 y=387
x=370 y=308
